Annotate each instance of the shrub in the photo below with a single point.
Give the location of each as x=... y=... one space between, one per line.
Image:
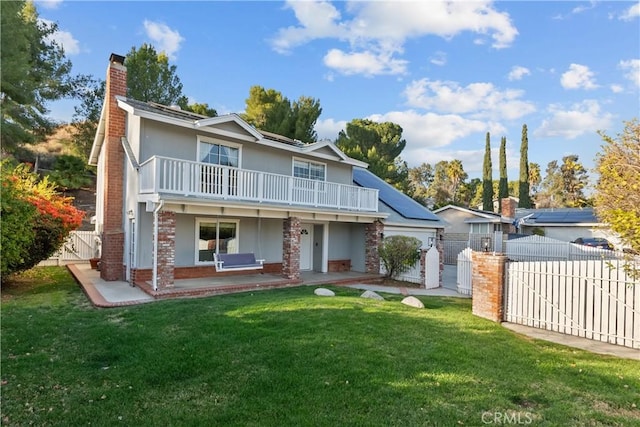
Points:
x=399 y=254
x=36 y=220
x=69 y=173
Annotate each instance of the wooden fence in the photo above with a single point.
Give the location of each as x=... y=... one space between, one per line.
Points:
x=595 y=299
x=80 y=246
x=464 y=271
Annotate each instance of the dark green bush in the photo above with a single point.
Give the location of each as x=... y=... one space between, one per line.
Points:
x=399 y=253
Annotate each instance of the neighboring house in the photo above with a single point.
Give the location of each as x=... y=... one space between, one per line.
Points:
x=566 y=224
x=464 y=221
x=174 y=188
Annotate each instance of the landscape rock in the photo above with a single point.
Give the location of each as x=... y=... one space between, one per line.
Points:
x=371 y=295
x=323 y=292
x=413 y=302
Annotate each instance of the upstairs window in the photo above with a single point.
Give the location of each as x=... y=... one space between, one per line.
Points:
x=219 y=154
x=309 y=170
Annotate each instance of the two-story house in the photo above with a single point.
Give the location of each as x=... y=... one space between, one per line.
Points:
x=176 y=189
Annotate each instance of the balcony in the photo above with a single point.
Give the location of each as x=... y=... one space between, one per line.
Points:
x=203 y=180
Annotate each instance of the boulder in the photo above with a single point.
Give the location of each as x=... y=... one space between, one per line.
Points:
x=413 y=302
x=323 y=292
x=371 y=295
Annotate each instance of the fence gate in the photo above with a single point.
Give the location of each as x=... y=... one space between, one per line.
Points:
x=80 y=246
x=464 y=271
x=594 y=299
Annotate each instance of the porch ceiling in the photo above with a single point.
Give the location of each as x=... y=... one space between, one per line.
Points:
x=189 y=205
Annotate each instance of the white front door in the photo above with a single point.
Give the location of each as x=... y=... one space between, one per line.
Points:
x=306 y=246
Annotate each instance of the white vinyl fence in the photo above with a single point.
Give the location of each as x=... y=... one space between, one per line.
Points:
x=594 y=299
x=80 y=246
x=464 y=271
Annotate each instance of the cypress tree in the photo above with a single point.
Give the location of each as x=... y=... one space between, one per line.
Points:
x=503 y=188
x=523 y=194
x=487 y=178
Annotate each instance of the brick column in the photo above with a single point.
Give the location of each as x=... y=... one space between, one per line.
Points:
x=112 y=261
x=291 y=248
x=487 y=283
x=423 y=267
x=373 y=239
x=166 y=249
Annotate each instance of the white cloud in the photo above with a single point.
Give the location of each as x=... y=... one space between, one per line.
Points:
x=366 y=63
x=581 y=118
x=616 y=88
x=329 y=128
x=439 y=58
x=632 y=13
x=518 y=72
x=632 y=70
x=165 y=39
x=49 y=4
x=434 y=130
x=480 y=100
x=378 y=30
x=65 y=39
x=578 y=77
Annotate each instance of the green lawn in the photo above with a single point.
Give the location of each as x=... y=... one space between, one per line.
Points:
x=290 y=358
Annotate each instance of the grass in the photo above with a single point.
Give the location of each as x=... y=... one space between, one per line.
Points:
x=290 y=358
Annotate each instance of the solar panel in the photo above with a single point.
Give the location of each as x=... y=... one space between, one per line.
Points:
x=395 y=199
x=565 y=216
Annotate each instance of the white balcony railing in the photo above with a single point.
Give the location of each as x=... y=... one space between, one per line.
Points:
x=173 y=176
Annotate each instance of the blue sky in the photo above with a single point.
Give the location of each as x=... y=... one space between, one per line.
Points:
x=446 y=72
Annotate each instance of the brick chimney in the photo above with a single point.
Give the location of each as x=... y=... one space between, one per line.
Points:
x=508 y=207
x=112 y=262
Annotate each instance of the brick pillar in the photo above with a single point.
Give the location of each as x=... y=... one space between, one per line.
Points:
x=111 y=263
x=487 y=283
x=166 y=249
x=423 y=267
x=373 y=239
x=291 y=248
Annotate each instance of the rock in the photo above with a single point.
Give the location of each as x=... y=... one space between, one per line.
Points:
x=413 y=302
x=371 y=295
x=323 y=292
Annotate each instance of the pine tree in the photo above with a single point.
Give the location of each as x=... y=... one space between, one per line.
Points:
x=503 y=188
x=523 y=194
x=487 y=178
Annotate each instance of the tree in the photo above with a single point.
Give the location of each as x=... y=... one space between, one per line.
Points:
x=551 y=190
x=86 y=116
x=574 y=181
x=151 y=78
x=617 y=193
x=34 y=71
x=420 y=179
x=399 y=253
x=269 y=110
x=378 y=144
x=456 y=175
x=503 y=187
x=534 y=177
x=202 y=108
x=36 y=221
x=487 y=179
x=523 y=195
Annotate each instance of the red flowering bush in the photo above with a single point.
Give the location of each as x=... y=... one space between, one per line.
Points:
x=36 y=221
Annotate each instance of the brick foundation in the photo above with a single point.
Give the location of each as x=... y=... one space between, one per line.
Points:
x=291 y=248
x=143 y=275
x=373 y=238
x=487 y=283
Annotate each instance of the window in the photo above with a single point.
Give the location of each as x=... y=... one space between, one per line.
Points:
x=219 y=154
x=215 y=236
x=309 y=170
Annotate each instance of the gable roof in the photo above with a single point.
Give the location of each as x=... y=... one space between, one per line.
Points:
x=476 y=212
x=178 y=117
x=395 y=199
